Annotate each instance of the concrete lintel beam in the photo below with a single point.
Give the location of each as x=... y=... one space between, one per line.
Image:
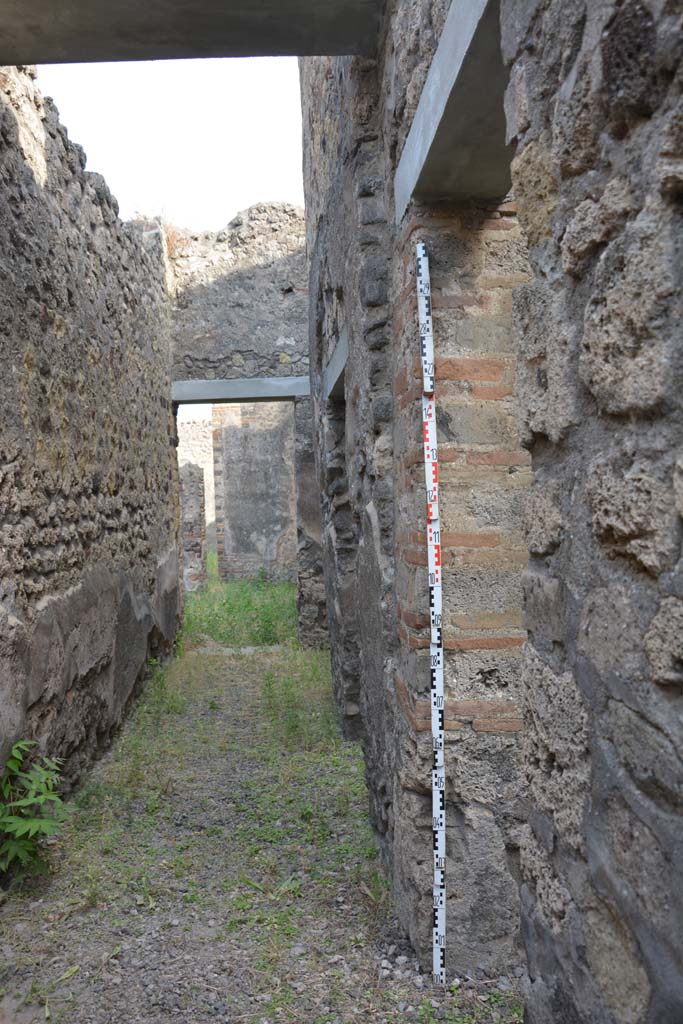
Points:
x=250 y=389
x=456 y=147
x=60 y=31
x=333 y=374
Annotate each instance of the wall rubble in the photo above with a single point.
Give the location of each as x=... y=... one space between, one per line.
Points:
x=595 y=107
x=88 y=480
x=241 y=297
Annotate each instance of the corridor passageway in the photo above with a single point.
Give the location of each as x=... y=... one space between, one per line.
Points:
x=219 y=865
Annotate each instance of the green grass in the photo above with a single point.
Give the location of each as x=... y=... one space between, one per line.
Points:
x=240 y=613
x=299 y=712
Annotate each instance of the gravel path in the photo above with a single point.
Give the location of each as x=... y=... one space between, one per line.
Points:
x=219 y=867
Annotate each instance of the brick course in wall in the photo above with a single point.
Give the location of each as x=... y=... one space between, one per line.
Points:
x=483 y=478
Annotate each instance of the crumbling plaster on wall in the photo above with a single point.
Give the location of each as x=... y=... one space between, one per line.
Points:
x=254 y=471
x=88 y=481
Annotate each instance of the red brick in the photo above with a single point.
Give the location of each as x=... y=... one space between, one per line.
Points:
x=485 y=558
x=482 y=708
x=498 y=458
x=412 y=619
x=502 y=224
x=461 y=300
x=470 y=540
x=413 y=556
x=491 y=392
x=409 y=397
x=498 y=725
x=482 y=643
x=485 y=369
x=489 y=620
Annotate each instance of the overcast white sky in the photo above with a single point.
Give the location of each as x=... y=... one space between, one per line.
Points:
x=191 y=140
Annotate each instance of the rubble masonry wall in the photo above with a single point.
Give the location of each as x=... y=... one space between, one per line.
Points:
x=596 y=109
x=88 y=478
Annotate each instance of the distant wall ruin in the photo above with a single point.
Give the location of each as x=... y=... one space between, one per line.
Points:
x=195 y=446
x=241 y=297
x=241 y=312
x=88 y=478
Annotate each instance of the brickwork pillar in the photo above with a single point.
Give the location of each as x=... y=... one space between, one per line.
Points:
x=477 y=257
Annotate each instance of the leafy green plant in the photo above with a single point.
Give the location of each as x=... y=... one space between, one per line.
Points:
x=31 y=809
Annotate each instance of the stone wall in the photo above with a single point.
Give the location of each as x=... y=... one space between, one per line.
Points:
x=311 y=601
x=195 y=446
x=356 y=117
x=241 y=297
x=254 y=472
x=595 y=106
x=241 y=311
x=88 y=479
x=192 y=526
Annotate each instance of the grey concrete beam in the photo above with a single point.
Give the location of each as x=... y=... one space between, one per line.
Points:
x=333 y=374
x=59 y=31
x=249 y=389
x=456 y=147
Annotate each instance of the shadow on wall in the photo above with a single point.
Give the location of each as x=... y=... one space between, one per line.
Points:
x=241 y=307
x=88 y=483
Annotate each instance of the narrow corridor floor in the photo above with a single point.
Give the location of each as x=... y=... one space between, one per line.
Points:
x=218 y=866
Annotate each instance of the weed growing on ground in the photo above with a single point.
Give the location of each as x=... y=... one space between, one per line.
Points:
x=240 y=613
x=299 y=711
x=231 y=818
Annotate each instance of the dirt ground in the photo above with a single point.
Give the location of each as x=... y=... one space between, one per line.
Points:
x=218 y=866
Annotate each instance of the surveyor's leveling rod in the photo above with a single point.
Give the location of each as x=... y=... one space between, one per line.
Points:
x=424 y=308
